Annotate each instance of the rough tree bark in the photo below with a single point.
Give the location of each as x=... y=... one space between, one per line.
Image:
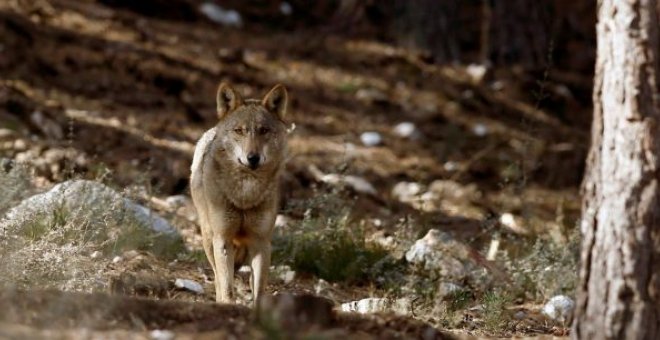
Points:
x=619 y=293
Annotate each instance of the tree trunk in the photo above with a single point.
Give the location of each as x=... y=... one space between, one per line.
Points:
x=619 y=293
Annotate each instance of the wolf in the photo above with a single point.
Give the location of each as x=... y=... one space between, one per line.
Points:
x=234 y=184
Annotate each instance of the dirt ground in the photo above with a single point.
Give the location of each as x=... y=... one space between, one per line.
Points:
x=123 y=94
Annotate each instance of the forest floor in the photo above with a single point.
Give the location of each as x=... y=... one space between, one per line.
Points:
x=120 y=95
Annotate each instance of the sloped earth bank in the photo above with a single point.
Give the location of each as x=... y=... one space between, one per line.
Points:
x=110 y=91
x=56 y=314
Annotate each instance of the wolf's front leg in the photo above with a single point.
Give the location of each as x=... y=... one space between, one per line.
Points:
x=224 y=252
x=260 y=262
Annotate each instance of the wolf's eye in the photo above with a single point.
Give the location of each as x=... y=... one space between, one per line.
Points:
x=263 y=130
x=238 y=131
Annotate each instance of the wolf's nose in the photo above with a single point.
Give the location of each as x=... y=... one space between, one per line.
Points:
x=253 y=160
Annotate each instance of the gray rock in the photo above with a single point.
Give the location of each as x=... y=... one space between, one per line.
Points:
x=226 y=17
x=47 y=238
x=439 y=251
x=559 y=308
x=87 y=201
x=285 y=8
x=447 y=288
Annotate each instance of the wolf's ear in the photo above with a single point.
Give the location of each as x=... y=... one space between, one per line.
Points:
x=276 y=100
x=227 y=99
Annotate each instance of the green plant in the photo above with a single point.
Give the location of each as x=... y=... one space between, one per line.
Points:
x=546 y=270
x=136 y=235
x=327 y=244
x=495 y=314
x=37 y=228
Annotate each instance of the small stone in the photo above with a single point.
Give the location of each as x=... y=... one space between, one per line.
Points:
x=285 y=8
x=282 y=221
x=117 y=259
x=356 y=183
x=161 y=334
x=177 y=201
x=283 y=273
x=450 y=166
x=20 y=145
x=226 y=17
x=480 y=130
x=519 y=315
x=370 y=95
x=497 y=85
x=96 y=254
x=477 y=72
x=244 y=270
x=513 y=223
x=7 y=133
x=322 y=286
x=407 y=130
x=371 y=138
x=382 y=239
x=360 y=184
x=401 y=306
x=406 y=192
x=559 y=308
x=448 y=288
x=190 y=285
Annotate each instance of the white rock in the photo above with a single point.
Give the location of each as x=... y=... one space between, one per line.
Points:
x=283 y=273
x=161 y=334
x=244 y=269
x=7 y=133
x=117 y=259
x=358 y=184
x=559 y=308
x=282 y=221
x=406 y=192
x=450 y=166
x=190 y=285
x=382 y=239
x=477 y=72
x=285 y=8
x=407 y=130
x=96 y=254
x=480 y=130
x=513 y=223
x=322 y=286
x=215 y=13
x=401 y=306
x=371 y=138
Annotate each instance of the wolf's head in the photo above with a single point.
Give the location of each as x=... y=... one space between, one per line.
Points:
x=252 y=131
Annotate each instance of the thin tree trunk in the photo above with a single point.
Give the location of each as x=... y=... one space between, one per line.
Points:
x=619 y=293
